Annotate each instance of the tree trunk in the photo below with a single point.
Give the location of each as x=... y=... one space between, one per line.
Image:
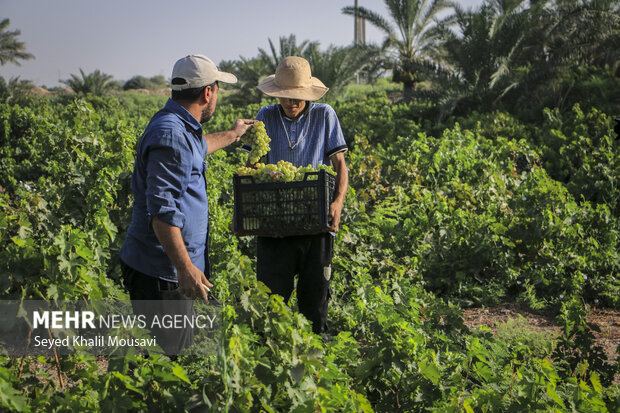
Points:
x=408 y=90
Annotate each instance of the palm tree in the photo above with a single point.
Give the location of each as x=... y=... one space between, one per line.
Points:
x=339 y=66
x=481 y=53
x=15 y=87
x=585 y=32
x=11 y=50
x=96 y=83
x=336 y=66
x=249 y=72
x=414 y=40
x=572 y=37
x=514 y=54
x=288 y=47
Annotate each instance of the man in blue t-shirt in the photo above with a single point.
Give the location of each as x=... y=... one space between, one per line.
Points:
x=304 y=133
x=165 y=254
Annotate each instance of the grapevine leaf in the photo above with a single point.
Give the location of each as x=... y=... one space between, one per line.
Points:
x=180 y=372
x=554 y=396
x=430 y=371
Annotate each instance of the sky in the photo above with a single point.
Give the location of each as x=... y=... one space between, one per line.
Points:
x=145 y=37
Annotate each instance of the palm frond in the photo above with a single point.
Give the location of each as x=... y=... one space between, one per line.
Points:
x=11 y=49
x=372 y=17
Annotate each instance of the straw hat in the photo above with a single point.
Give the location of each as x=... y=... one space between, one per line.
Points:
x=293 y=80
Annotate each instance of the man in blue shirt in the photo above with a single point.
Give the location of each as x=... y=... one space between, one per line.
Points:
x=302 y=132
x=165 y=254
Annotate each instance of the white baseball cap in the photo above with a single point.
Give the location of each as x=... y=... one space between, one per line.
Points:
x=198 y=70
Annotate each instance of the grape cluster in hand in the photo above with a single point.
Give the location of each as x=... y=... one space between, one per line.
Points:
x=257 y=138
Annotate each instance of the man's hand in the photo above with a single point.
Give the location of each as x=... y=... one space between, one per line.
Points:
x=335 y=210
x=191 y=279
x=241 y=126
x=219 y=140
x=192 y=282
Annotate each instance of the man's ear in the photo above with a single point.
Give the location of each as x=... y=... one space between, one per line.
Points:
x=207 y=94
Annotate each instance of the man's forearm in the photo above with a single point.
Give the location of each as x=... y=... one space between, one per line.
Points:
x=342 y=184
x=342 y=177
x=171 y=239
x=219 y=140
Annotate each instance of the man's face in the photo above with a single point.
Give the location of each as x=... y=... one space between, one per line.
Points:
x=209 y=110
x=292 y=107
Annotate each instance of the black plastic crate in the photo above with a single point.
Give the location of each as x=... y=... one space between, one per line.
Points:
x=283 y=208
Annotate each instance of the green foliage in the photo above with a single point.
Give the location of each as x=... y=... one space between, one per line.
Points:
x=518 y=334
x=478 y=209
x=435 y=216
x=581 y=151
x=359 y=92
x=576 y=352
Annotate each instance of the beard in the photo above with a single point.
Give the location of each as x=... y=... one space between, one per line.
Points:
x=207 y=113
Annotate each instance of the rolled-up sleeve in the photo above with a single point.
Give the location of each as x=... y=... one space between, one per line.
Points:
x=335 y=138
x=168 y=169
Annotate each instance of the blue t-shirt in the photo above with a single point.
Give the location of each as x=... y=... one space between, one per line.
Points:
x=168 y=183
x=309 y=140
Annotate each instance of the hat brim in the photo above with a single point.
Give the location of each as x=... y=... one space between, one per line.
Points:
x=226 y=77
x=314 y=92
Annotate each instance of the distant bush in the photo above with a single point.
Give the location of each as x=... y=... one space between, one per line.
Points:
x=141 y=82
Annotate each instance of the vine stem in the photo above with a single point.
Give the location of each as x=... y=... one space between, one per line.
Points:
x=62 y=384
x=21 y=363
x=21 y=367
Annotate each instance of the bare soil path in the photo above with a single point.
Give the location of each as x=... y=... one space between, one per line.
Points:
x=607 y=320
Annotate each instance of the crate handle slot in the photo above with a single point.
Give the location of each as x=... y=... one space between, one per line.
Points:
x=246 y=178
x=307 y=174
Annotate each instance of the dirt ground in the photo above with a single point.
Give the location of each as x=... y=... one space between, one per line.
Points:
x=607 y=320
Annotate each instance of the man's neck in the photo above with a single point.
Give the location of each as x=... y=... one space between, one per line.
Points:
x=194 y=109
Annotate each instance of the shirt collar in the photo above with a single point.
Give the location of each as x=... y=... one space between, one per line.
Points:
x=183 y=114
x=303 y=113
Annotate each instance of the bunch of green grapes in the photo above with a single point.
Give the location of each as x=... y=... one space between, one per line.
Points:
x=257 y=138
x=286 y=171
x=327 y=168
x=252 y=171
x=301 y=172
x=245 y=171
x=281 y=172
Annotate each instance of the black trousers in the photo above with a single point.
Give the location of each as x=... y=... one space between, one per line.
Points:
x=310 y=257
x=144 y=292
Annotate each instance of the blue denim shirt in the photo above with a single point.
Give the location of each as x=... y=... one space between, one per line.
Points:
x=168 y=183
